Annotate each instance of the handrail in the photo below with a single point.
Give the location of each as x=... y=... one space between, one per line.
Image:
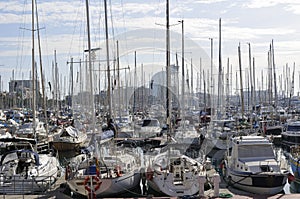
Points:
x=18 y=185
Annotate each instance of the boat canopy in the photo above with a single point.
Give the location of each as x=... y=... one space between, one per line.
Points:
x=14 y=155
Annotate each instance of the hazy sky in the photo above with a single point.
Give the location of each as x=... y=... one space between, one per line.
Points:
x=139 y=26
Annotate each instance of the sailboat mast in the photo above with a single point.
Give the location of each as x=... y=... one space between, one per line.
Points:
x=118 y=73
x=227 y=86
x=254 y=85
x=182 y=63
x=134 y=85
x=42 y=75
x=211 y=77
x=220 y=87
x=251 y=79
x=251 y=86
x=168 y=65
x=33 y=75
x=107 y=62
x=274 y=72
x=90 y=67
x=241 y=80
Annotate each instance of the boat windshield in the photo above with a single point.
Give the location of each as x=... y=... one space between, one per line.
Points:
x=26 y=125
x=150 y=123
x=9 y=157
x=256 y=151
x=293 y=128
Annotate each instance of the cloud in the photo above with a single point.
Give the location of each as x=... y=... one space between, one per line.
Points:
x=294 y=8
x=208 y=1
x=288 y=5
x=262 y=4
x=13 y=6
x=8 y=18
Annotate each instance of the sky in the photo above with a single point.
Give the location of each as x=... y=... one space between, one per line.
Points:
x=139 y=26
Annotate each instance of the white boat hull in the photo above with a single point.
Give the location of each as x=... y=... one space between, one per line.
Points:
x=170 y=187
x=108 y=187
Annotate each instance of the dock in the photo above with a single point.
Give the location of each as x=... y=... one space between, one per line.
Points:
x=59 y=191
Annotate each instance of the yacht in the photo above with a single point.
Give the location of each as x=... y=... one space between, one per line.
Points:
x=291 y=136
x=252 y=166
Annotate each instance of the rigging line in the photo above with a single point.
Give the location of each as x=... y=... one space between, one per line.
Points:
x=125 y=37
x=75 y=22
x=154 y=31
x=112 y=30
x=46 y=46
x=21 y=41
x=98 y=32
x=94 y=26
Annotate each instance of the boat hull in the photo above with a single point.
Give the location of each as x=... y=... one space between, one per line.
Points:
x=262 y=183
x=108 y=187
x=168 y=186
x=67 y=146
x=294 y=161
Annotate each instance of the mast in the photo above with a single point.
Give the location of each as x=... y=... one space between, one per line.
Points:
x=270 y=86
x=90 y=67
x=274 y=72
x=42 y=75
x=169 y=112
x=118 y=73
x=211 y=76
x=72 y=81
x=227 y=86
x=254 y=85
x=241 y=81
x=56 y=82
x=251 y=79
x=292 y=86
x=107 y=62
x=182 y=63
x=220 y=86
x=33 y=76
x=192 y=84
x=204 y=91
x=200 y=76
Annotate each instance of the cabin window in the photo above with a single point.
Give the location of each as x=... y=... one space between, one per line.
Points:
x=293 y=128
x=253 y=151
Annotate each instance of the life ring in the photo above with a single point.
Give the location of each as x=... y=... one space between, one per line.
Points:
x=118 y=171
x=94 y=178
x=98 y=181
x=149 y=174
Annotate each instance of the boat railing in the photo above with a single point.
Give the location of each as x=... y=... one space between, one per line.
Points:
x=14 y=185
x=266 y=165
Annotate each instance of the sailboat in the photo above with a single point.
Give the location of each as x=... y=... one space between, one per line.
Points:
x=173 y=174
x=106 y=169
x=113 y=171
x=220 y=129
x=68 y=139
x=22 y=169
